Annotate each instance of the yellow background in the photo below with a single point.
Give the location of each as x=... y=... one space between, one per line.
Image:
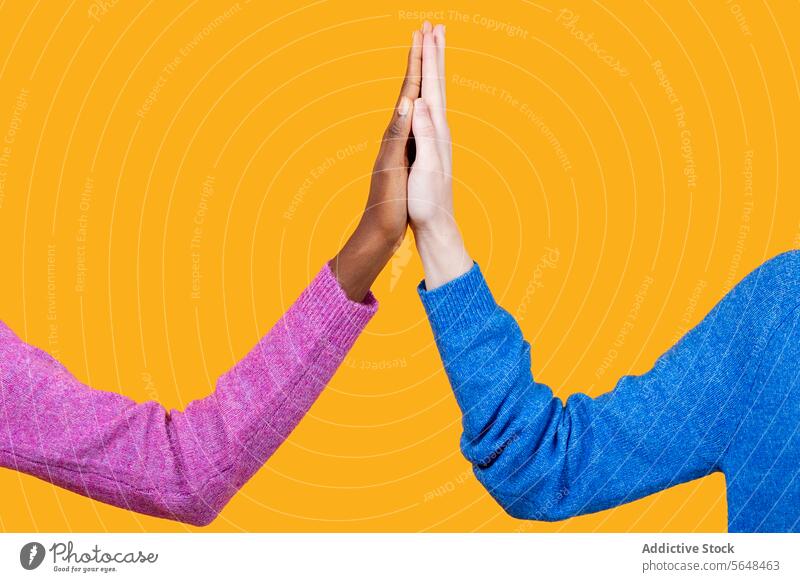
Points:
x=262 y=135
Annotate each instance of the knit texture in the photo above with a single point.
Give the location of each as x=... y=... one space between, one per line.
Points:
x=181 y=465
x=725 y=397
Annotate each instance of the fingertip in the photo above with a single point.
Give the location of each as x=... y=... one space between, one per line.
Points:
x=426 y=26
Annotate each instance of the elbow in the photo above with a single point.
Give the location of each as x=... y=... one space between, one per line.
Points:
x=200 y=520
x=196 y=502
x=525 y=492
x=547 y=508
x=192 y=509
x=172 y=503
x=197 y=520
x=487 y=445
x=531 y=474
x=200 y=483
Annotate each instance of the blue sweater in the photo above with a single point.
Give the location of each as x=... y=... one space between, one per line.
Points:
x=725 y=397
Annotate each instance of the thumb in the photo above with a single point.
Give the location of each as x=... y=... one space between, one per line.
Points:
x=396 y=135
x=424 y=133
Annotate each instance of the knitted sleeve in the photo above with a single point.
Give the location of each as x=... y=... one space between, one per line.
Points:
x=547 y=459
x=180 y=465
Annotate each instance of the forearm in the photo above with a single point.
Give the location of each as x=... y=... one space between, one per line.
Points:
x=362 y=259
x=488 y=364
x=182 y=465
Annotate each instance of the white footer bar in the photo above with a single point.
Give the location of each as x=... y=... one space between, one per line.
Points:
x=401 y=557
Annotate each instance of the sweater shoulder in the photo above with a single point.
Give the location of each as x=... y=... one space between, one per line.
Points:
x=783 y=269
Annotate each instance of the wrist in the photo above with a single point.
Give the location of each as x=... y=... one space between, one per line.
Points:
x=361 y=260
x=435 y=228
x=378 y=243
x=443 y=254
x=381 y=230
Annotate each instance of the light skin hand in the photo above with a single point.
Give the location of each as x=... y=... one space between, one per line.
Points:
x=430 y=181
x=383 y=223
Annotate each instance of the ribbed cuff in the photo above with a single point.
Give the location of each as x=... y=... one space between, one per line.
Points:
x=464 y=301
x=325 y=306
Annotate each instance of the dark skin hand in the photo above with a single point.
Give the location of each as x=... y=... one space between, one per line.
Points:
x=383 y=223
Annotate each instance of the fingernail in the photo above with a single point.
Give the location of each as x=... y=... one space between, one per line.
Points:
x=405 y=104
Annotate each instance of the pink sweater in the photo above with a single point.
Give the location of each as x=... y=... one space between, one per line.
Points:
x=181 y=465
